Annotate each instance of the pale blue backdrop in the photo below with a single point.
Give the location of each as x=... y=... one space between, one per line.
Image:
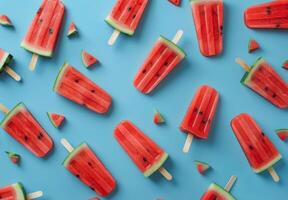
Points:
x=115 y=74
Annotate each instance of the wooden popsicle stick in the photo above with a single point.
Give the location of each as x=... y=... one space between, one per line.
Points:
x=230 y=183
x=34 y=195
x=67 y=145
x=113 y=37
x=178 y=36
x=274 y=174
x=12 y=73
x=242 y=63
x=33 y=62
x=188 y=143
x=4 y=109
x=166 y=174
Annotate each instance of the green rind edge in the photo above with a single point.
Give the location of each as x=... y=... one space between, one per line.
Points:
x=73 y=153
x=118 y=27
x=172 y=45
x=20 y=191
x=59 y=76
x=11 y=113
x=50 y=118
x=222 y=191
x=247 y=76
x=281 y=129
x=5 y=61
x=36 y=51
x=156 y=165
x=202 y=163
x=268 y=165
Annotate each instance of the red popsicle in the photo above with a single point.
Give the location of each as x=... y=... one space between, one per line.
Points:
x=144 y=152
x=199 y=117
x=258 y=148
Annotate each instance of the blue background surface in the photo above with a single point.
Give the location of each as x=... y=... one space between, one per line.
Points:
x=115 y=74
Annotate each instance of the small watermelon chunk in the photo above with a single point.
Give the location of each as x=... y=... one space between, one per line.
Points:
x=282 y=134
x=56 y=119
x=158 y=118
x=285 y=65
x=14 y=157
x=253 y=45
x=175 y=2
x=202 y=167
x=72 y=30
x=88 y=59
x=5 y=21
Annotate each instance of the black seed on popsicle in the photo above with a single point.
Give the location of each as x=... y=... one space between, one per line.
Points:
x=77 y=175
x=251 y=147
x=263 y=134
x=129 y=9
x=266 y=89
x=90 y=164
x=144 y=71
x=77 y=80
x=26 y=138
x=144 y=159
x=274 y=95
x=92 y=188
x=158 y=75
x=278 y=25
x=204 y=122
x=93 y=91
x=40 y=136
x=166 y=63
x=134 y=16
x=200 y=113
x=39 y=10
x=40 y=20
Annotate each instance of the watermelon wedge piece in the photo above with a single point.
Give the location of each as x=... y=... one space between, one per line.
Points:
x=13 y=192
x=253 y=45
x=158 y=118
x=202 y=167
x=73 y=85
x=282 y=133
x=271 y=15
x=56 y=119
x=208 y=18
x=88 y=59
x=14 y=157
x=72 y=30
x=5 y=21
x=285 y=65
x=175 y=2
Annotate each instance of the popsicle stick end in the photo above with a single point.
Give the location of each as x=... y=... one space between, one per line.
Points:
x=34 y=195
x=166 y=174
x=188 y=143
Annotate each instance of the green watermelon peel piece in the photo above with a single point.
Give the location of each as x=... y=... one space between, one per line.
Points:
x=222 y=191
x=12 y=112
x=173 y=46
x=119 y=27
x=156 y=165
x=247 y=76
x=7 y=58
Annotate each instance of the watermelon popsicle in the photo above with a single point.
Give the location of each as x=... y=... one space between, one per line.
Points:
x=16 y=192
x=86 y=166
x=125 y=17
x=73 y=85
x=43 y=33
x=144 y=152
x=20 y=124
x=199 y=117
x=265 y=81
x=271 y=15
x=208 y=20
x=5 y=60
x=216 y=192
x=259 y=150
x=163 y=58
